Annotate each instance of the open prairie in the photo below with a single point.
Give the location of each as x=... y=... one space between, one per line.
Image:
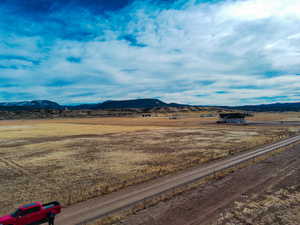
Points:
x=280 y=116
x=71 y=160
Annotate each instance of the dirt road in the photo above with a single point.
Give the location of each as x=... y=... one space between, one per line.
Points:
x=262 y=193
x=96 y=208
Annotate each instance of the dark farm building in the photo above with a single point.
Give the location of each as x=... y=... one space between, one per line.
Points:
x=237 y=118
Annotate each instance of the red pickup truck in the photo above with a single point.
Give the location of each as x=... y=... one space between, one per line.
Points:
x=31 y=214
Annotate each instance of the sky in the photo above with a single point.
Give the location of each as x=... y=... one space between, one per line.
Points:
x=201 y=52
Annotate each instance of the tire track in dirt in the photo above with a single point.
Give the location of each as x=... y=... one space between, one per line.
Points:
x=15 y=166
x=258 y=188
x=28 y=141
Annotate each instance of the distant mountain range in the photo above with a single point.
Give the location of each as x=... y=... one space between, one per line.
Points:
x=275 y=107
x=29 y=105
x=122 y=104
x=138 y=104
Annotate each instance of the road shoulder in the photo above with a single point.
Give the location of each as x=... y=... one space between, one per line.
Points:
x=205 y=204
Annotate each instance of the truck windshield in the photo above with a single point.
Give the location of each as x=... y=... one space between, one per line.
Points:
x=17 y=213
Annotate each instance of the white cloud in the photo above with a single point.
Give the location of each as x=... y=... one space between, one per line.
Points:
x=232 y=44
x=262 y=9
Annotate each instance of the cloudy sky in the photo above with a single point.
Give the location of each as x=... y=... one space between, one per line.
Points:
x=218 y=52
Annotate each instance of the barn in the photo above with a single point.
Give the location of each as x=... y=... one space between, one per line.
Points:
x=237 y=118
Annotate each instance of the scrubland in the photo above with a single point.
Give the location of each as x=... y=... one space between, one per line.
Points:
x=71 y=160
x=277 y=200
x=279 y=116
x=278 y=208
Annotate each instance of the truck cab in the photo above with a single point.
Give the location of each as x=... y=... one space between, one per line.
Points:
x=31 y=214
x=28 y=214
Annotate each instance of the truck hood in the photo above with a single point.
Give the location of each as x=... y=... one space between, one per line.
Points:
x=5 y=218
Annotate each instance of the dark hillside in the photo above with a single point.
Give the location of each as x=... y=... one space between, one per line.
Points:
x=29 y=105
x=128 y=104
x=276 y=107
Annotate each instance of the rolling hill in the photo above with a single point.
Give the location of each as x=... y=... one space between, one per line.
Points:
x=29 y=105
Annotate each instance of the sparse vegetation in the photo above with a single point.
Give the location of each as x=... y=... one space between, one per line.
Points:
x=74 y=160
x=268 y=116
x=117 y=217
x=281 y=207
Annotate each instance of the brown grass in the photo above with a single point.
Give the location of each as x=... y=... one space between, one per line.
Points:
x=118 y=216
x=281 y=207
x=286 y=116
x=59 y=160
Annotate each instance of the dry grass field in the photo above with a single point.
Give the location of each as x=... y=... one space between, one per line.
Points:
x=71 y=160
x=265 y=116
x=281 y=207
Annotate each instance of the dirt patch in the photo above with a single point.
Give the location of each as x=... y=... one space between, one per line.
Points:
x=241 y=198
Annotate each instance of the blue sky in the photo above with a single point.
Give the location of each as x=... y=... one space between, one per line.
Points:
x=229 y=52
